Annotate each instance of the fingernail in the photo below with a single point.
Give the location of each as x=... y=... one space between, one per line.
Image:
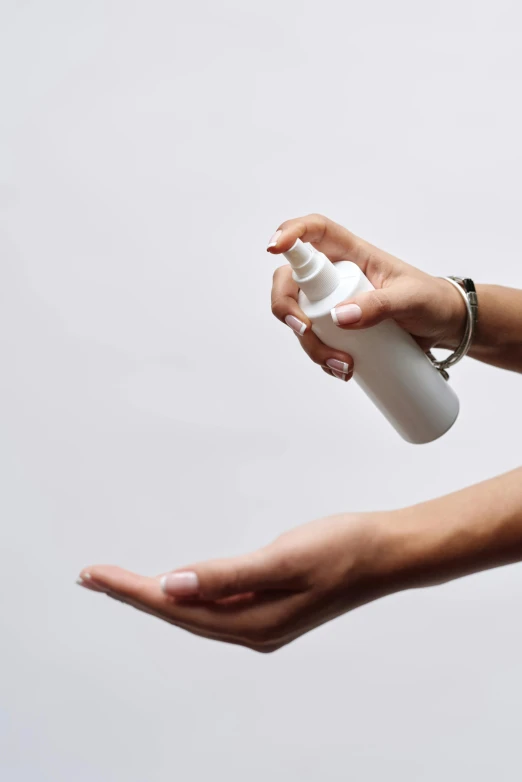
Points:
x=295 y=324
x=180 y=584
x=274 y=239
x=346 y=314
x=86 y=582
x=339 y=366
x=340 y=375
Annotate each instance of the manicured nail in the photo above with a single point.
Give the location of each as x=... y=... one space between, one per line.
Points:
x=339 y=366
x=295 y=324
x=180 y=584
x=340 y=375
x=346 y=314
x=86 y=582
x=274 y=239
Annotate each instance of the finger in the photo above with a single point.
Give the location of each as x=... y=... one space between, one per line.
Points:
x=260 y=571
x=369 y=309
x=286 y=309
x=165 y=617
x=325 y=356
x=251 y=622
x=261 y=632
x=339 y=375
x=284 y=301
x=212 y=580
x=335 y=241
x=146 y=595
x=165 y=614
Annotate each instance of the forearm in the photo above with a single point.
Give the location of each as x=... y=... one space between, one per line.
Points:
x=462 y=533
x=498 y=338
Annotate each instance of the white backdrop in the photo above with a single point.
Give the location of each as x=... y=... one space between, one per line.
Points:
x=153 y=412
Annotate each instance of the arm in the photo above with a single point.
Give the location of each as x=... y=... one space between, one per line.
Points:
x=472 y=530
x=426 y=306
x=498 y=339
x=316 y=572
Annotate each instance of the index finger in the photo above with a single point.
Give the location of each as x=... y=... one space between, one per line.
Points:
x=330 y=238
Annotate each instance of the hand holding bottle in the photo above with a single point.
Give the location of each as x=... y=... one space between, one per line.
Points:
x=388 y=364
x=429 y=308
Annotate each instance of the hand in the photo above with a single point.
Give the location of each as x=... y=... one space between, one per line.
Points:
x=268 y=598
x=428 y=307
x=314 y=573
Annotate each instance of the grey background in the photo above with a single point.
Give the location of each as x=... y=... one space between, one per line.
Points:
x=153 y=412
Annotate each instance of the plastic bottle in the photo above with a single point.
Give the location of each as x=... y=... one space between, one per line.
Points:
x=389 y=365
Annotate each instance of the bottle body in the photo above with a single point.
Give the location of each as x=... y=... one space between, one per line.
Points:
x=389 y=365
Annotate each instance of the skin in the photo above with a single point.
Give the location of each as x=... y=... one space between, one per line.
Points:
x=426 y=306
x=314 y=573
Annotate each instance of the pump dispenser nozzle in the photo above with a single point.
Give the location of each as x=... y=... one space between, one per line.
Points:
x=315 y=274
x=299 y=254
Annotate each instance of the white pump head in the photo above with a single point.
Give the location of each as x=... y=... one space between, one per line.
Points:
x=315 y=274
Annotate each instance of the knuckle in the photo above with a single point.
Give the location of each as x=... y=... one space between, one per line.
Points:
x=381 y=303
x=380 y=265
x=318 y=221
x=317 y=218
x=279 y=308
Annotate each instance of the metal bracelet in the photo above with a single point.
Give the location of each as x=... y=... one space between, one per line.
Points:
x=466 y=288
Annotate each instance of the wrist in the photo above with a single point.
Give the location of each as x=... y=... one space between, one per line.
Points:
x=454 y=316
x=465 y=532
x=408 y=548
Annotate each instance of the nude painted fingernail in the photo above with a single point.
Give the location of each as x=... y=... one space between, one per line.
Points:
x=339 y=366
x=180 y=584
x=346 y=314
x=274 y=239
x=295 y=324
x=340 y=375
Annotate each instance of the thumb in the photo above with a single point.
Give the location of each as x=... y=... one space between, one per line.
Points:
x=369 y=309
x=224 y=577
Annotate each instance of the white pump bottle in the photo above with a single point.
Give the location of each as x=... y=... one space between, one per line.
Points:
x=389 y=365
